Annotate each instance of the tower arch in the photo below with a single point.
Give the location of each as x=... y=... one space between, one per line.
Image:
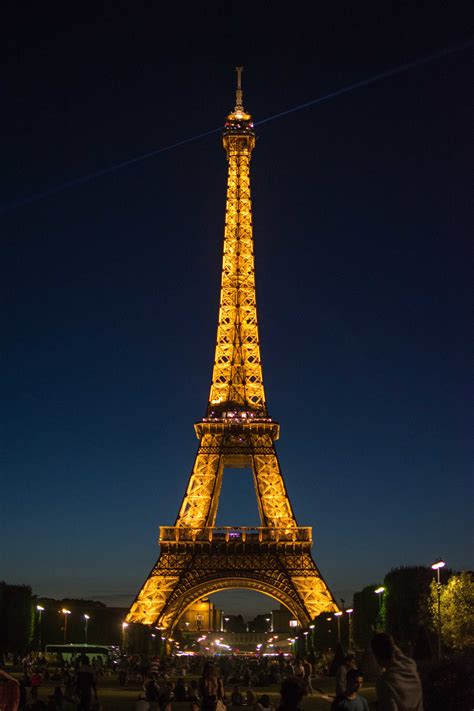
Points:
x=172 y=614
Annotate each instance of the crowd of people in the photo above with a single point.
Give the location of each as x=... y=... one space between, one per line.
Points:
x=219 y=684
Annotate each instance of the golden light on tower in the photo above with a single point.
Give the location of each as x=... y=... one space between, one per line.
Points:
x=236 y=432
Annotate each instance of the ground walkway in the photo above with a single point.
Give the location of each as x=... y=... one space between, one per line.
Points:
x=114 y=698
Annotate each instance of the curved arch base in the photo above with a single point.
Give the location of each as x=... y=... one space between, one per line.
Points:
x=183 y=574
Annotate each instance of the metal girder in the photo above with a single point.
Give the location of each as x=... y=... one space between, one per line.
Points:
x=182 y=576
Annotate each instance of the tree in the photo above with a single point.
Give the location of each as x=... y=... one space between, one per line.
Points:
x=16 y=617
x=406 y=603
x=365 y=615
x=457 y=610
x=324 y=635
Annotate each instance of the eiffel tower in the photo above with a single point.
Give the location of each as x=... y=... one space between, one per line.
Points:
x=197 y=558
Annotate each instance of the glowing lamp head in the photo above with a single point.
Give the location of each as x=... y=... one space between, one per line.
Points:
x=65 y=612
x=38 y=607
x=379 y=590
x=87 y=617
x=124 y=625
x=350 y=610
x=337 y=614
x=438 y=564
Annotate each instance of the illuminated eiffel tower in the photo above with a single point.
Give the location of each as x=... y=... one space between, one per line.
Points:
x=196 y=558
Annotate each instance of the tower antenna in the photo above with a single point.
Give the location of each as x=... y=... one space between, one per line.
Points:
x=239 y=106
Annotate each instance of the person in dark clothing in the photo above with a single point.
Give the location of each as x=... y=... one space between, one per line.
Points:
x=211 y=688
x=180 y=690
x=85 y=684
x=350 y=699
x=292 y=692
x=152 y=691
x=236 y=697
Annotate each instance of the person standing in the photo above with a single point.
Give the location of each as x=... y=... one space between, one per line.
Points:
x=85 y=684
x=299 y=669
x=348 y=663
x=350 y=700
x=211 y=688
x=398 y=687
x=292 y=692
x=308 y=670
x=250 y=699
x=9 y=692
x=36 y=680
x=122 y=669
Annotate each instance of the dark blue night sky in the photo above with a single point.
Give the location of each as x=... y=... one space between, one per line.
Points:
x=361 y=224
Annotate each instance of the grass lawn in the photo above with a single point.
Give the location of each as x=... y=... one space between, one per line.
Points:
x=113 y=698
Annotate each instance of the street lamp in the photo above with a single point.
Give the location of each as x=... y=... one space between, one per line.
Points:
x=86 y=621
x=379 y=592
x=437 y=565
x=349 y=611
x=268 y=620
x=65 y=613
x=338 y=615
x=40 y=610
x=124 y=635
x=328 y=620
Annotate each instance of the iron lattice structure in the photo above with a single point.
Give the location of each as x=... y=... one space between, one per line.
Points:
x=196 y=558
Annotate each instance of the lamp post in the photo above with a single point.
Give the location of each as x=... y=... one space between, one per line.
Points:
x=268 y=621
x=40 y=610
x=124 y=635
x=437 y=565
x=349 y=611
x=65 y=612
x=338 y=615
x=328 y=619
x=379 y=592
x=86 y=622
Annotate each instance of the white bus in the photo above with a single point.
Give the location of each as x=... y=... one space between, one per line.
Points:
x=108 y=653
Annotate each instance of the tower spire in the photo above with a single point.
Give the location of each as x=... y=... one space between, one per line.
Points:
x=239 y=104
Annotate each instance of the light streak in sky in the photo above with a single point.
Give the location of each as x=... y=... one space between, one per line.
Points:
x=399 y=69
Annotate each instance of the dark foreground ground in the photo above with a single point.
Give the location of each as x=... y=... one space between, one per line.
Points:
x=113 y=698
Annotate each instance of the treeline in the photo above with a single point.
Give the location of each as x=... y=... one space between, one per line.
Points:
x=406 y=609
x=17 y=618
x=23 y=626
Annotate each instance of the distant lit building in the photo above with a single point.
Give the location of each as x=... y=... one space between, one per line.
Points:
x=282 y=619
x=202 y=616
